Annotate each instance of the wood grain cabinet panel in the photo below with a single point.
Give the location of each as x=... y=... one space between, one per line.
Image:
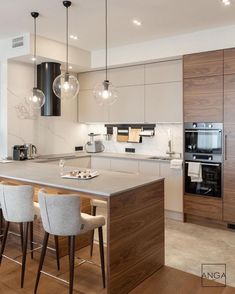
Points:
x=203 y=99
x=207 y=207
x=229 y=190
x=229 y=98
x=229 y=61
x=203 y=64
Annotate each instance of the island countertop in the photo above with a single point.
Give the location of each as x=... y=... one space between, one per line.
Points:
x=106 y=184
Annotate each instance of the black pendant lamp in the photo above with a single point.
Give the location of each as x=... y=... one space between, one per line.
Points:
x=66 y=86
x=105 y=93
x=36 y=98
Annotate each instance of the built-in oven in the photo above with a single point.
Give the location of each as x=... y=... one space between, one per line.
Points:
x=211 y=180
x=203 y=138
x=203 y=146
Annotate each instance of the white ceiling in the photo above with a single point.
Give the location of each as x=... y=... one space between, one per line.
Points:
x=160 y=18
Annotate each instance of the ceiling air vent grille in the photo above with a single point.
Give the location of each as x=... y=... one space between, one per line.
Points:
x=18 y=42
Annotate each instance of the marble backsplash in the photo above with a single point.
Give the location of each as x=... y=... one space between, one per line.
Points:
x=156 y=145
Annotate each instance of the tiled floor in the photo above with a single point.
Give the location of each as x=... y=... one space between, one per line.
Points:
x=188 y=246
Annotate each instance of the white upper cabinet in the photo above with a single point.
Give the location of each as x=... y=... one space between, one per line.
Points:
x=129 y=106
x=146 y=93
x=89 y=80
x=127 y=76
x=89 y=110
x=163 y=72
x=164 y=102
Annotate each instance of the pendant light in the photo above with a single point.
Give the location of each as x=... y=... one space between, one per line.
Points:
x=105 y=93
x=66 y=86
x=36 y=98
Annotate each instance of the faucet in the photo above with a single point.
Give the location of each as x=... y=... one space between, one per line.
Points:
x=169 y=151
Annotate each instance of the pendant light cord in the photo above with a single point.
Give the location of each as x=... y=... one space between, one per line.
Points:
x=106 y=39
x=35 y=53
x=67 y=40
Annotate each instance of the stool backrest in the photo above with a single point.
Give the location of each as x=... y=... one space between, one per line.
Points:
x=17 y=203
x=60 y=214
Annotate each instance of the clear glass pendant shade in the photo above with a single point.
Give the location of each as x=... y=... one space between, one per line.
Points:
x=105 y=93
x=35 y=99
x=66 y=86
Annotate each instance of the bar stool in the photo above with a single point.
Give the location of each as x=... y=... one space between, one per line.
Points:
x=94 y=204
x=18 y=207
x=61 y=216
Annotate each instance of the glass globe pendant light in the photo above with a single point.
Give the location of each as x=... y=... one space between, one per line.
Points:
x=66 y=86
x=36 y=98
x=105 y=93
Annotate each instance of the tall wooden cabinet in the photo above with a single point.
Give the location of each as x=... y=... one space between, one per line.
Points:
x=203 y=87
x=229 y=131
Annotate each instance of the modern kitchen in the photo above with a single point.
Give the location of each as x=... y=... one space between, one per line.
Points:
x=117 y=161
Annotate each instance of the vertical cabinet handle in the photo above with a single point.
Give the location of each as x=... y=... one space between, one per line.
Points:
x=225 y=146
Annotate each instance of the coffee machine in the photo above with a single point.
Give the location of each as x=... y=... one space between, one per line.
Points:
x=23 y=152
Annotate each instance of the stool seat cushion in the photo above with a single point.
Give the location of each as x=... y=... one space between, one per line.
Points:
x=90 y=222
x=98 y=203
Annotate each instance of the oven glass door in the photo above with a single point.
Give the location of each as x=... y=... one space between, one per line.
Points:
x=203 y=141
x=211 y=181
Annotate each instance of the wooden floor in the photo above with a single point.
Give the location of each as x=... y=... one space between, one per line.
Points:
x=88 y=278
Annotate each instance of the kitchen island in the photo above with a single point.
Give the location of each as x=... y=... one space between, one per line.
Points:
x=135 y=216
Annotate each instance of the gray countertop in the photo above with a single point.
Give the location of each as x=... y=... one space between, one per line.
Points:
x=106 y=184
x=134 y=156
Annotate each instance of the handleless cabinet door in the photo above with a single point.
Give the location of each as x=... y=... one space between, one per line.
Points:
x=203 y=99
x=127 y=76
x=129 y=106
x=203 y=64
x=229 y=61
x=173 y=187
x=229 y=147
x=163 y=102
x=124 y=165
x=89 y=80
x=102 y=163
x=89 y=110
x=149 y=168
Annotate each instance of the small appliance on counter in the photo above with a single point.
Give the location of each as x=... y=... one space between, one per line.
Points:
x=31 y=151
x=94 y=146
x=20 y=152
x=23 y=152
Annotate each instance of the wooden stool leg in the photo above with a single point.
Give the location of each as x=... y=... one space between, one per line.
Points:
x=93 y=232
x=42 y=257
x=31 y=239
x=25 y=243
x=57 y=251
x=71 y=262
x=101 y=245
x=21 y=235
x=4 y=240
x=1 y=223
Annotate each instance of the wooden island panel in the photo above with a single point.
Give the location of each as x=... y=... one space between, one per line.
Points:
x=136 y=236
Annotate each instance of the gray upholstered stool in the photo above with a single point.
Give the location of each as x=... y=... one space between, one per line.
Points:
x=18 y=207
x=94 y=204
x=61 y=216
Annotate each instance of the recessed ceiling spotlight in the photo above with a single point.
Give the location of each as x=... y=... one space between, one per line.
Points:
x=33 y=58
x=137 y=22
x=70 y=67
x=226 y=2
x=73 y=37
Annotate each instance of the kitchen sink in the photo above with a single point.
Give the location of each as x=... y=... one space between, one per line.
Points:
x=159 y=158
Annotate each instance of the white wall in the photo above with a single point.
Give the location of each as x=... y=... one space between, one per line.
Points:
x=51 y=135
x=165 y=48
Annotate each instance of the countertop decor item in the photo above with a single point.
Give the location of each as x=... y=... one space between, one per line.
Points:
x=105 y=93
x=36 y=98
x=66 y=86
x=81 y=174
